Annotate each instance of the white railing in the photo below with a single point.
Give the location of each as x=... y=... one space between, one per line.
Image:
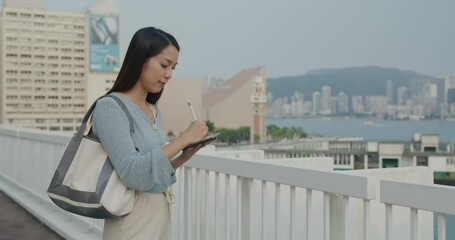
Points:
x=417 y=197
x=247 y=198
x=228 y=198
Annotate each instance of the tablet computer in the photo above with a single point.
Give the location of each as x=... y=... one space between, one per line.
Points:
x=209 y=138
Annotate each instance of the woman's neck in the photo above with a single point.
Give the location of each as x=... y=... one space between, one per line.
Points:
x=136 y=95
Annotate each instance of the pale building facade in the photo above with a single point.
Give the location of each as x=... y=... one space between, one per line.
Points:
x=44 y=67
x=229 y=104
x=173 y=104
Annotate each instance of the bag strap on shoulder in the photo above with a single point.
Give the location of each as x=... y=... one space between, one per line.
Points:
x=122 y=105
x=90 y=110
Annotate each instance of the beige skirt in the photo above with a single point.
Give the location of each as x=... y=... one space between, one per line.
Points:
x=150 y=219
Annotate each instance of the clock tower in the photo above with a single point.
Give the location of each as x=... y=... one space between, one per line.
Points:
x=258 y=130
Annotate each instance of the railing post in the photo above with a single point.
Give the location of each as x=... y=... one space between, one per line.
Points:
x=345 y=218
x=414 y=224
x=441 y=226
x=366 y=218
x=388 y=221
x=308 y=213
x=245 y=208
x=326 y=217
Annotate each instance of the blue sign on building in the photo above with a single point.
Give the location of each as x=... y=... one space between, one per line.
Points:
x=104 y=43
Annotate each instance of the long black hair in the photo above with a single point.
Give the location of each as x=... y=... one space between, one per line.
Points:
x=146 y=43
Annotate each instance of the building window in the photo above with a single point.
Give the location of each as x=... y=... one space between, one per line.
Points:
x=40 y=120
x=11 y=39
x=11 y=14
x=40 y=81
x=26 y=15
x=11 y=97
x=67 y=128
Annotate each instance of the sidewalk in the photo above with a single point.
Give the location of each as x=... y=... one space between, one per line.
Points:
x=18 y=224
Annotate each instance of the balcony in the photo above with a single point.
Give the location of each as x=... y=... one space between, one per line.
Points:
x=239 y=195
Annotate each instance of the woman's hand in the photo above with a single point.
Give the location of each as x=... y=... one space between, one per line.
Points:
x=195 y=132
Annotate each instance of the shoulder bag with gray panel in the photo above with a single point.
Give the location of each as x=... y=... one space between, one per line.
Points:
x=85 y=181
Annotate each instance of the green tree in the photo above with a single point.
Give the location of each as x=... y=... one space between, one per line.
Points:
x=256 y=138
x=170 y=135
x=234 y=136
x=277 y=133
x=210 y=125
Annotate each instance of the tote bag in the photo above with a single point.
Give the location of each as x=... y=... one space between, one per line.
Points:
x=85 y=182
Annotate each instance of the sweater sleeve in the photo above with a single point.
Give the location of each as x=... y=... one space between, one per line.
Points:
x=144 y=171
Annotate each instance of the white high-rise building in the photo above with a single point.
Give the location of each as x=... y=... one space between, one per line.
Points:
x=317 y=102
x=358 y=105
x=401 y=95
x=47 y=78
x=326 y=100
x=449 y=83
x=343 y=103
x=389 y=91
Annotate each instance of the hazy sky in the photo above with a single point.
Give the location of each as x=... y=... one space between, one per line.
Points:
x=291 y=37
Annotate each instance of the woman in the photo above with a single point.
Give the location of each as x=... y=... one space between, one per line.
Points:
x=142 y=159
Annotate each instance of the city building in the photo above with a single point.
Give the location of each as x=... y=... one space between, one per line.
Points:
x=326 y=100
x=343 y=103
x=358 y=104
x=173 y=104
x=54 y=64
x=317 y=102
x=355 y=153
x=229 y=104
x=389 y=91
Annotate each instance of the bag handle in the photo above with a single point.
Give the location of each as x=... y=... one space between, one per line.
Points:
x=81 y=130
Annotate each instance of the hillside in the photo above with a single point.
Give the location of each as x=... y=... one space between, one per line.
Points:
x=369 y=80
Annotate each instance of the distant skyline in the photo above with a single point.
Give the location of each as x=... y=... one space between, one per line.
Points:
x=293 y=37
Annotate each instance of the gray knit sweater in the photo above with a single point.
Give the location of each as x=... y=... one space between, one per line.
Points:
x=138 y=158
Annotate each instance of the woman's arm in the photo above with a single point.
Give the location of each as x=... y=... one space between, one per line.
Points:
x=148 y=171
x=185 y=156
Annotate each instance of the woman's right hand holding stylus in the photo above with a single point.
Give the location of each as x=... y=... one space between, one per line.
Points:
x=195 y=132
